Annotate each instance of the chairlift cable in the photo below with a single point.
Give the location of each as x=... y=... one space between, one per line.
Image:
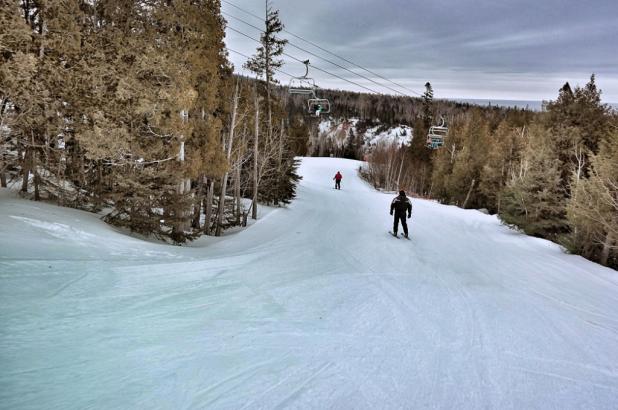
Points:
x=301 y=61
x=320 y=57
x=311 y=102
x=246 y=56
x=261 y=18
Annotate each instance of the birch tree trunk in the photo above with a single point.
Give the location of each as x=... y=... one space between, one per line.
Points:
x=26 y=169
x=280 y=160
x=237 y=191
x=197 y=205
x=469 y=192
x=183 y=188
x=255 y=158
x=36 y=178
x=208 y=206
x=399 y=175
x=99 y=188
x=607 y=246
x=221 y=210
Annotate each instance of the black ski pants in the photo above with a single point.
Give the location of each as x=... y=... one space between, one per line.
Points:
x=337 y=184
x=400 y=216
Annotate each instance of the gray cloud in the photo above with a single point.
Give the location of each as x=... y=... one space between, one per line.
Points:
x=520 y=49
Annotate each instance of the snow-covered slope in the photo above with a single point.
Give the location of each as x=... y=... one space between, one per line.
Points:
x=337 y=133
x=315 y=306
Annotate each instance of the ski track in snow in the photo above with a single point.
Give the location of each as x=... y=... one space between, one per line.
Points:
x=314 y=306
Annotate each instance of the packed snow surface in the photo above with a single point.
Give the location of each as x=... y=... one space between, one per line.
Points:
x=314 y=306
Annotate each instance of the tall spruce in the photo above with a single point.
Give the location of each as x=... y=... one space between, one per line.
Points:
x=265 y=62
x=428 y=104
x=115 y=104
x=501 y=163
x=535 y=200
x=277 y=169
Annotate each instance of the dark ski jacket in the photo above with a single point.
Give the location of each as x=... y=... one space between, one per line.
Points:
x=338 y=177
x=401 y=204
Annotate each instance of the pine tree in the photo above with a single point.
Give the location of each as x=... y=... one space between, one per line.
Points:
x=265 y=62
x=463 y=182
x=17 y=69
x=276 y=169
x=351 y=144
x=500 y=164
x=535 y=200
x=457 y=165
x=428 y=105
x=578 y=121
x=298 y=136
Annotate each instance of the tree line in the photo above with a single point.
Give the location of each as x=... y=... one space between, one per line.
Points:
x=131 y=108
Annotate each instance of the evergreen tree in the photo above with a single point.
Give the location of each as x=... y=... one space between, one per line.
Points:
x=581 y=109
x=298 y=136
x=109 y=102
x=578 y=121
x=535 y=200
x=462 y=184
x=500 y=164
x=420 y=158
x=18 y=65
x=266 y=61
x=428 y=105
x=457 y=165
x=351 y=144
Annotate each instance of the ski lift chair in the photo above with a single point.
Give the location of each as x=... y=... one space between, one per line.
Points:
x=302 y=84
x=434 y=143
x=318 y=106
x=436 y=135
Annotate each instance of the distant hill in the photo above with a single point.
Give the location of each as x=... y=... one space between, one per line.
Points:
x=387 y=109
x=353 y=137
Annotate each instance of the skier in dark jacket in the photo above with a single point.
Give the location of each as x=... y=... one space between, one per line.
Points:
x=400 y=205
x=338 y=177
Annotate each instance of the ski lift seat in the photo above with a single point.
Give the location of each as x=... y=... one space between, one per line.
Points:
x=434 y=143
x=306 y=86
x=301 y=86
x=436 y=135
x=438 y=131
x=318 y=106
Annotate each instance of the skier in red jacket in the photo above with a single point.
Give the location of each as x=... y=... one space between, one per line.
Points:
x=338 y=177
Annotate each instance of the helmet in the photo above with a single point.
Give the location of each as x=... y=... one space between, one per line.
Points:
x=402 y=193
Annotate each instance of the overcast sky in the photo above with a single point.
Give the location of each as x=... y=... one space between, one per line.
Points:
x=498 y=49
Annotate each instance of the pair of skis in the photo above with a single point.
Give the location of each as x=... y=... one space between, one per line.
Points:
x=402 y=235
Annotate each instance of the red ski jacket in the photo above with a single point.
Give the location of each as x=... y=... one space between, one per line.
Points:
x=338 y=177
